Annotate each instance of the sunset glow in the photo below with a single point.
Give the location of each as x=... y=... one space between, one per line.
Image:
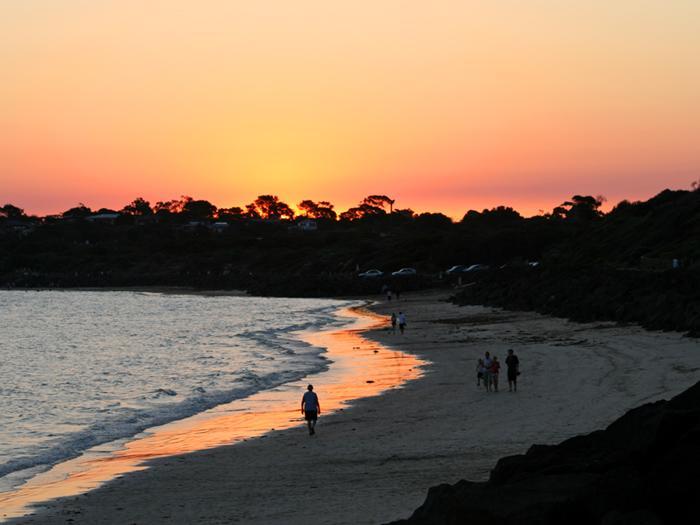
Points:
x=276 y=409
x=445 y=106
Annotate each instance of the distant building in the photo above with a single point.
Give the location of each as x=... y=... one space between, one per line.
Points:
x=194 y=225
x=219 y=226
x=103 y=217
x=19 y=227
x=307 y=225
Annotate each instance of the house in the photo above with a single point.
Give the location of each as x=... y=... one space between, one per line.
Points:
x=219 y=226
x=19 y=227
x=307 y=225
x=107 y=218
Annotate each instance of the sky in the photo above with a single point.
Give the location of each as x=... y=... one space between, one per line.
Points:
x=442 y=105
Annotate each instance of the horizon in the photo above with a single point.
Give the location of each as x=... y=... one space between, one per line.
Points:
x=450 y=107
x=605 y=206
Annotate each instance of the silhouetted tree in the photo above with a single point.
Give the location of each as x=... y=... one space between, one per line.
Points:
x=228 y=214
x=270 y=207
x=471 y=216
x=370 y=206
x=163 y=207
x=198 y=209
x=139 y=206
x=351 y=214
x=500 y=215
x=317 y=210
x=407 y=213
x=434 y=220
x=379 y=201
x=171 y=210
x=9 y=211
x=78 y=212
x=362 y=211
x=173 y=206
x=579 y=208
x=251 y=211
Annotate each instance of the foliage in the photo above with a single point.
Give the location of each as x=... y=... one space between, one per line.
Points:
x=317 y=210
x=8 y=211
x=138 y=206
x=78 y=212
x=269 y=207
x=260 y=250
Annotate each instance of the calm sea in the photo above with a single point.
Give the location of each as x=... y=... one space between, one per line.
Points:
x=78 y=369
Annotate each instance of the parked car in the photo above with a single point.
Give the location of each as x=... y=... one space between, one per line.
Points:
x=404 y=272
x=533 y=264
x=476 y=268
x=457 y=269
x=371 y=274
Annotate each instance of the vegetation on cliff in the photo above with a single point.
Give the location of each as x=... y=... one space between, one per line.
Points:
x=591 y=265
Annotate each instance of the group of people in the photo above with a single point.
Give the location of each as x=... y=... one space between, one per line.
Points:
x=389 y=293
x=488 y=368
x=310 y=406
x=400 y=320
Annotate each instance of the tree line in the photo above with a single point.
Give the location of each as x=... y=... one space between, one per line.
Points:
x=271 y=207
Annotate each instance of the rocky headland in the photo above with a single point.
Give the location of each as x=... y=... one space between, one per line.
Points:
x=640 y=470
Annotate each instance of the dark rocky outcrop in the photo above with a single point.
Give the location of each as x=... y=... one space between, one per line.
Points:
x=639 y=263
x=642 y=469
x=657 y=300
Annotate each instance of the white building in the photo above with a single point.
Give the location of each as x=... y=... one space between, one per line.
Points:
x=307 y=225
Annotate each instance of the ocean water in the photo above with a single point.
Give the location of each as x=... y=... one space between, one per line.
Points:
x=79 y=369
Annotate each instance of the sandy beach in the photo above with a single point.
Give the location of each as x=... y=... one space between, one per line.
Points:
x=374 y=461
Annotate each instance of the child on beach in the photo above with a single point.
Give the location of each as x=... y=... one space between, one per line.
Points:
x=393 y=323
x=495 y=369
x=402 y=322
x=487 y=371
x=310 y=408
x=479 y=372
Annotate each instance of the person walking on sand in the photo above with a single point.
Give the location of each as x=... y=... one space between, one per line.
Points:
x=495 y=369
x=310 y=408
x=402 y=322
x=513 y=364
x=479 y=372
x=393 y=322
x=388 y=294
x=487 y=371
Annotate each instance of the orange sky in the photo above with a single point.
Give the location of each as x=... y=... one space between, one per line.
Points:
x=444 y=105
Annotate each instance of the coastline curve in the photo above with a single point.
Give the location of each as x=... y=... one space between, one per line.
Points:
x=359 y=368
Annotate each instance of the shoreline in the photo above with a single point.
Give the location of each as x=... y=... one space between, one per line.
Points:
x=228 y=424
x=385 y=451
x=172 y=290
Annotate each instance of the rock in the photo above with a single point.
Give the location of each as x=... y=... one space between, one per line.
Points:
x=642 y=470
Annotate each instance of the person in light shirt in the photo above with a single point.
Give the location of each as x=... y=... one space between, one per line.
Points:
x=488 y=363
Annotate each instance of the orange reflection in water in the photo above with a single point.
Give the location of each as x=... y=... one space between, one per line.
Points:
x=360 y=368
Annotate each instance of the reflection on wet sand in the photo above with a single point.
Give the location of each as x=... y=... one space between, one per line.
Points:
x=360 y=368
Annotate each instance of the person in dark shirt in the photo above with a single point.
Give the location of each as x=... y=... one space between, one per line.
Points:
x=513 y=364
x=310 y=408
x=495 y=369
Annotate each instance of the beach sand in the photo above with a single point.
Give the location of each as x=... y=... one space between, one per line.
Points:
x=373 y=462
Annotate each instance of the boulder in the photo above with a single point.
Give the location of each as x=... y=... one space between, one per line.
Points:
x=642 y=469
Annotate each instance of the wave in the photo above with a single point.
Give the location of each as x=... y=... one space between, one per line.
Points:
x=127 y=422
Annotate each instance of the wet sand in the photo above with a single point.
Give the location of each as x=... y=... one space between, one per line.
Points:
x=350 y=355
x=373 y=462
